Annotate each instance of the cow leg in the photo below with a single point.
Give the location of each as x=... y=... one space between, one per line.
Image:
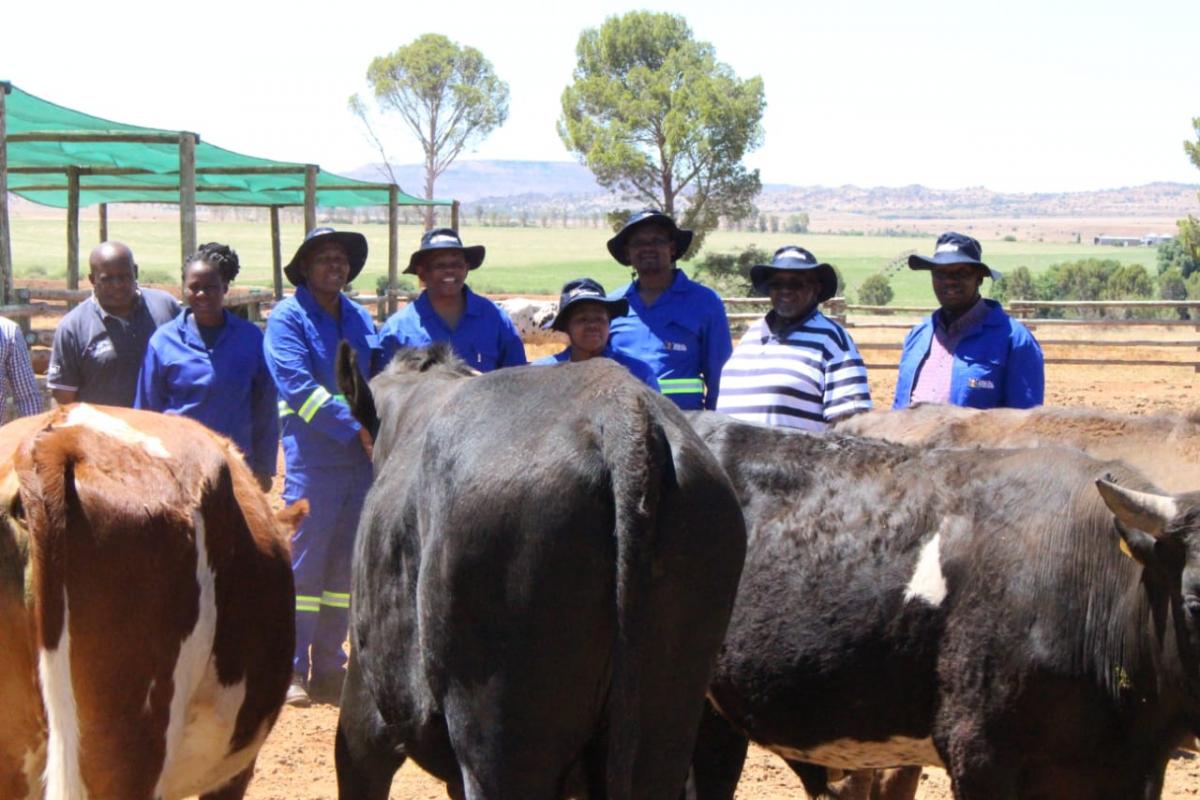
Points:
x=235 y=789
x=365 y=755
x=717 y=760
x=896 y=784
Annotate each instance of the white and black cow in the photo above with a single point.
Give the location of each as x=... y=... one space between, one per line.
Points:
x=543 y=574
x=1029 y=619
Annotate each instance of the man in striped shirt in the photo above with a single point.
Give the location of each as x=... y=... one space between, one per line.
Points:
x=16 y=374
x=795 y=367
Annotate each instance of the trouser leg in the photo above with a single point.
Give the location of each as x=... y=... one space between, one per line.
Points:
x=328 y=654
x=310 y=544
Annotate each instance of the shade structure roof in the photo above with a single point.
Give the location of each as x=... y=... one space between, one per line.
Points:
x=115 y=162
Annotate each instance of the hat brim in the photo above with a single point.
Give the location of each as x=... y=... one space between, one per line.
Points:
x=680 y=237
x=355 y=245
x=473 y=254
x=950 y=259
x=760 y=276
x=615 y=308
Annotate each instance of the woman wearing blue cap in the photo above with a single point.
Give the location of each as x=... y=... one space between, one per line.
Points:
x=968 y=352
x=208 y=364
x=584 y=314
x=480 y=332
x=795 y=367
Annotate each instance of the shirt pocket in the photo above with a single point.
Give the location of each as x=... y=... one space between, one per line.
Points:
x=983 y=379
x=682 y=345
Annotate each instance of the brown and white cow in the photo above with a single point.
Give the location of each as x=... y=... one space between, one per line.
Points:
x=146 y=589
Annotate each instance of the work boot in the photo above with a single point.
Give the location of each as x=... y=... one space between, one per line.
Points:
x=297 y=695
x=326 y=687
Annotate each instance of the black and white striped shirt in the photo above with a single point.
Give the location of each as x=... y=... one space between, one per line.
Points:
x=804 y=376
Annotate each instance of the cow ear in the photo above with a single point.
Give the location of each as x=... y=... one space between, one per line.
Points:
x=1137 y=544
x=1147 y=512
x=355 y=389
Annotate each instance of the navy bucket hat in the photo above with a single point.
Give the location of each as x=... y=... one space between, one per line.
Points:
x=791 y=258
x=953 y=248
x=355 y=245
x=681 y=238
x=445 y=239
x=585 y=290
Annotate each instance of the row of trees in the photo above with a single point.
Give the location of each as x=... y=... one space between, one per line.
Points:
x=651 y=111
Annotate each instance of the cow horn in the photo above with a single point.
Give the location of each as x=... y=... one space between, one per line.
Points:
x=1142 y=510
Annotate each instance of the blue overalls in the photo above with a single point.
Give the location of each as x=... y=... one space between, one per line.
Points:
x=326 y=465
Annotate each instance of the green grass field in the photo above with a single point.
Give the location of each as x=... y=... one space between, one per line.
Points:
x=520 y=260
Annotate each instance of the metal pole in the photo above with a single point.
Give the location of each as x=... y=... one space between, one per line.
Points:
x=104 y=222
x=187 y=194
x=72 y=227
x=6 y=265
x=310 y=197
x=276 y=254
x=454 y=215
x=393 y=246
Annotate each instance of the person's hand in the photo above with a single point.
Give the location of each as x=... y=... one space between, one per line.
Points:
x=368 y=444
x=264 y=481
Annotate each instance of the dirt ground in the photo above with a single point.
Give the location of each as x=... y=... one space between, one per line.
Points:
x=297 y=761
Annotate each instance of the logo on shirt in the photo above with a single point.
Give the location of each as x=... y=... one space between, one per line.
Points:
x=677 y=347
x=102 y=348
x=980 y=383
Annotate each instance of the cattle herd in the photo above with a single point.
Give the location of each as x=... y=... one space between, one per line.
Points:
x=566 y=587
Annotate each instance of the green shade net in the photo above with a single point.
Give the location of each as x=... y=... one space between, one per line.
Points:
x=154 y=167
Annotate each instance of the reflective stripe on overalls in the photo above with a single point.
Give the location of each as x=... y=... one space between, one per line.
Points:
x=308 y=409
x=670 y=386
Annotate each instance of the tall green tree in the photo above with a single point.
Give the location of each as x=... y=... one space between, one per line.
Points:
x=1189 y=229
x=656 y=117
x=447 y=94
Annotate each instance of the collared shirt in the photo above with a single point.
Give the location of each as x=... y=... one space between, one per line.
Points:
x=997 y=363
x=98 y=355
x=805 y=374
x=16 y=376
x=484 y=337
x=318 y=428
x=638 y=368
x=683 y=335
x=226 y=385
x=933 y=377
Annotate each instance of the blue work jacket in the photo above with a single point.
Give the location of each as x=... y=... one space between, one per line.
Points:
x=226 y=387
x=485 y=337
x=997 y=364
x=638 y=368
x=319 y=430
x=683 y=336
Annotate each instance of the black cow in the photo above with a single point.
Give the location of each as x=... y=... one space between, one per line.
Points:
x=543 y=575
x=971 y=609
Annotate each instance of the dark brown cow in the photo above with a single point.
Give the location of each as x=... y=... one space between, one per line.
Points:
x=158 y=619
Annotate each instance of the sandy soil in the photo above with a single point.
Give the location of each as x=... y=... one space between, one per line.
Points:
x=297 y=760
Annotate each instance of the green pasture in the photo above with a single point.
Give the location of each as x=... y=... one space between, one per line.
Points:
x=519 y=260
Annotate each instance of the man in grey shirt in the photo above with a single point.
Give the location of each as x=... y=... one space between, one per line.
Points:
x=99 y=344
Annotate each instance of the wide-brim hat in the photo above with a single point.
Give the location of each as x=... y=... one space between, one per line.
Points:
x=791 y=258
x=954 y=248
x=445 y=239
x=355 y=245
x=585 y=290
x=681 y=238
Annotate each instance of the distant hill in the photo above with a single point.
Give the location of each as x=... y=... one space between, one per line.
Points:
x=469 y=181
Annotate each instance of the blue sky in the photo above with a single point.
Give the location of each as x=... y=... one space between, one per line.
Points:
x=1015 y=96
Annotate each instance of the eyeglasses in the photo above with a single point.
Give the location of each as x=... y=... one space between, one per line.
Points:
x=790 y=286
x=657 y=241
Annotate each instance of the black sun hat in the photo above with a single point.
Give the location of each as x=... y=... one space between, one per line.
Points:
x=355 y=245
x=445 y=239
x=953 y=248
x=585 y=290
x=681 y=237
x=791 y=258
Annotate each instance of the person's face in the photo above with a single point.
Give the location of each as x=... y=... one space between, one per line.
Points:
x=326 y=268
x=443 y=273
x=587 y=327
x=793 y=293
x=651 y=251
x=115 y=284
x=204 y=292
x=956 y=286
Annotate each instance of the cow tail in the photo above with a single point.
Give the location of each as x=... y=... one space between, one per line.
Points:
x=635 y=450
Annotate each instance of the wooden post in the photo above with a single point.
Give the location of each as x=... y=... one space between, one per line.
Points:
x=104 y=222
x=454 y=215
x=310 y=197
x=393 y=246
x=276 y=254
x=72 y=227
x=187 y=194
x=6 y=265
